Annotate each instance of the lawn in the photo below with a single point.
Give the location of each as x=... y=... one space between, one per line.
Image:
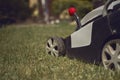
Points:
x=23 y=56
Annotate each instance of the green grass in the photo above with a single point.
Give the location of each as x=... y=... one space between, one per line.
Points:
x=23 y=56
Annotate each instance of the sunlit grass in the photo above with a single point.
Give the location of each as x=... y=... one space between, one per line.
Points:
x=23 y=56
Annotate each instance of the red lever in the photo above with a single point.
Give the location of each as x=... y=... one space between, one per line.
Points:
x=72 y=11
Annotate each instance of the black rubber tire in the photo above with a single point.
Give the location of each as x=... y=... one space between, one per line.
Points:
x=55 y=44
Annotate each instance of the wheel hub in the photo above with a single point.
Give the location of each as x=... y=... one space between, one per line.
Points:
x=50 y=47
x=111 y=55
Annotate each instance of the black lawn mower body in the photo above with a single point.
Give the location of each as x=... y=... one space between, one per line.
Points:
x=99 y=30
x=97 y=36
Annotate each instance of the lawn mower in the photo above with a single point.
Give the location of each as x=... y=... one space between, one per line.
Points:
x=96 y=38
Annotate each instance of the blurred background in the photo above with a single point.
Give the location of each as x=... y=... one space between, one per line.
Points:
x=42 y=11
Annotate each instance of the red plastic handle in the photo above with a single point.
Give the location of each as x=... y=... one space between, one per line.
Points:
x=72 y=11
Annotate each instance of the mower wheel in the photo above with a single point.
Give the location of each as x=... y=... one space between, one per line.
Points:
x=55 y=46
